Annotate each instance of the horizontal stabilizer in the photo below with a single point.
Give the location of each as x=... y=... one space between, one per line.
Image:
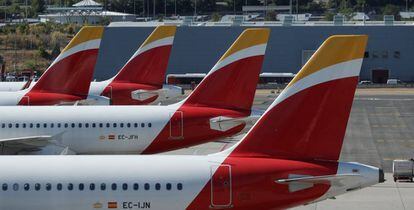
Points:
x=142 y=95
x=301 y=182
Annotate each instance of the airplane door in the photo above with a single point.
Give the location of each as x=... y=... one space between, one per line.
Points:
x=110 y=92
x=221 y=192
x=176 y=125
x=25 y=101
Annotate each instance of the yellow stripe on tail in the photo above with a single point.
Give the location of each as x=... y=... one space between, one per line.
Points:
x=160 y=32
x=344 y=47
x=87 y=33
x=249 y=38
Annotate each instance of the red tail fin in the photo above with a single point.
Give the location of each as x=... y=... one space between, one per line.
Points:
x=149 y=63
x=72 y=71
x=232 y=82
x=308 y=119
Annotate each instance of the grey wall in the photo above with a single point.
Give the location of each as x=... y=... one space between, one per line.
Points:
x=196 y=49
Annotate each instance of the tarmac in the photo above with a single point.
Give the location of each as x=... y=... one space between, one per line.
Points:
x=380 y=129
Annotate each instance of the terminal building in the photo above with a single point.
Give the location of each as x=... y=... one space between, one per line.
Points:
x=197 y=46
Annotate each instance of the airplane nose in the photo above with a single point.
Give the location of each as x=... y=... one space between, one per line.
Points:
x=381 y=176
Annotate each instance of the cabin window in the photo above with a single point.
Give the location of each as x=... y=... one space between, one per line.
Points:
x=10 y=125
x=158 y=186
x=121 y=125
x=45 y=125
x=31 y=125
x=24 y=125
x=179 y=186
x=48 y=186
x=70 y=186
x=3 y=125
x=15 y=186
x=87 y=125
x=37 y=186
x=108 y=125
x=128 y=125
x=136 y=186
x=149 y=125
x=52 y=125
x=37 y=125
x=93 y=125
x=114 y=125
x=59 y=187
x=100 y=125
x=125 y=186
x=58 y=125
x=81 y=186
x=142 y=125
x=113 y=186
x=135 y=125
x=103 y=186
x=66 y=125
x=168 y=186
x=80 y=125
x=146 y=186
x=73 y=125
x=4 y=187
x=92 y=186
x=26 y=187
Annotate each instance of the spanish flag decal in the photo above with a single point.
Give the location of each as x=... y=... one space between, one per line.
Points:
x=112 y=205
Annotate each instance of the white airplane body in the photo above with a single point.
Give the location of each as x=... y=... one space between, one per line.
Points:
x=186 y=176
x=67 y=80
x=213 y=111
x=289 y=157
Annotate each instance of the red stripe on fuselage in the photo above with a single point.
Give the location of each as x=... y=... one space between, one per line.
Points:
x=120 y=93
x=196 y=129
x=254 y=184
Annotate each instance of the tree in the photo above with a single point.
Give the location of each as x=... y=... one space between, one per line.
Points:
x=391 y=9
x=38 y=6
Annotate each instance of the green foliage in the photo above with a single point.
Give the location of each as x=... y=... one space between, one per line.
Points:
x=38 y=6
x=271 y=16
x=31 y=64
x=215 y=17
x=391 y=9
x=329 y=16
x=41 y=52
x=55 y=51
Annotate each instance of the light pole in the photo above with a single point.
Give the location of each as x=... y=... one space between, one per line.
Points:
x=143 y=8
x=406 y=5
x=134 y=9
x=153 y=8
x=234 y=7
x=195 y=7
x=165 y=8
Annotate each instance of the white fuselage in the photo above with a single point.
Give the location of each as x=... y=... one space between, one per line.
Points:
x=186 y=174
x=11 y=93
x=88 y=129
x=151 y=182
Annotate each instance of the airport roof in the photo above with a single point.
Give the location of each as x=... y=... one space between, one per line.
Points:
x=87 y=3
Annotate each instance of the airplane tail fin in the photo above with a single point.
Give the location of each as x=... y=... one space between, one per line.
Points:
x=71 y=72
x=231 y=83
x=149 y=63
x=309 y=118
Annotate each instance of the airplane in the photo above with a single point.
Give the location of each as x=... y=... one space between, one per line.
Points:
x=138 y=82
x=289 y=158
x=67 y=79
x=220 y=106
